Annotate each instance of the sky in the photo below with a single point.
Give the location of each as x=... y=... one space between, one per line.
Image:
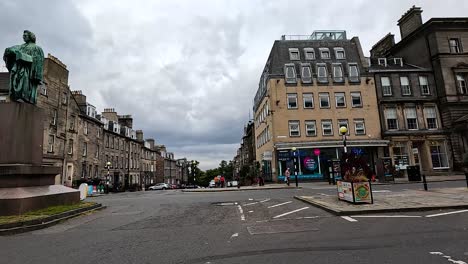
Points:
x=187 y=71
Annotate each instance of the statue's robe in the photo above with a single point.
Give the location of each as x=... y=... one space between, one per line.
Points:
x=25 y=64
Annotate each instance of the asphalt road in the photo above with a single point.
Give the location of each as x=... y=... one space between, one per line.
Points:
x=267 y=226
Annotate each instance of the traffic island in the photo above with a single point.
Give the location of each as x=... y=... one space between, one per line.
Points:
x=404 y=201
x=242 y=188
x=34 y=220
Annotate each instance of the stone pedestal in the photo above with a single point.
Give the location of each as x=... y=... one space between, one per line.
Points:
x=26 y=184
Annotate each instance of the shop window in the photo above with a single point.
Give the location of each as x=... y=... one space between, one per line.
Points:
x=439 y=155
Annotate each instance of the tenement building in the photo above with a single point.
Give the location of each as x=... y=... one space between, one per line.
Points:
x=310 y=87
x=435 y=126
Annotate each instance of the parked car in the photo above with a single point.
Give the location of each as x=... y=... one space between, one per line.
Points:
x=159 y=186
x=212 y=184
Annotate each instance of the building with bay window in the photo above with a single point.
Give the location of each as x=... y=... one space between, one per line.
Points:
x=310 y=87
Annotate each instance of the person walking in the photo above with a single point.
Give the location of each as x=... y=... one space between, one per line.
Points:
x=287 y=175
x=223 y=181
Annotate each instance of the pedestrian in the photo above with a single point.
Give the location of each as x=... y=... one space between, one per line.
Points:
x=216 y=180
x=223 y=181
x=287 y=175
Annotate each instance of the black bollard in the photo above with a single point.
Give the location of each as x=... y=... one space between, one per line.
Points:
x=424 y=182
x=466 y=177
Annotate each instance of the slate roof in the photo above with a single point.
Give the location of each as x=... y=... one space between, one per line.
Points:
x=4 y=82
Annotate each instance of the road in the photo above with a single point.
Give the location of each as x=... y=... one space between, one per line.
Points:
x=266 y=226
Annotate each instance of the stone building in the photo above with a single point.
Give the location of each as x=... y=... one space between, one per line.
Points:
x=438 y=45
x=148 y=162
x=310 y=87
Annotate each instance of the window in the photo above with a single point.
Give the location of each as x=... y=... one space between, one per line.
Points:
x=85 y=149
x=359 y=127
x=310 y=128
x=353 y=72
x=98 y=133
x=337 y=73
x=72 y=123
x=340 y=53
x=327 y=128
x=386 y=87
x=454 y=44
x=400 y=155
x=322 y=75
x=97 y=151
x=405 y=86
x=117 y=144
x=294 y=54
x=106 y=139
x=70 y=147
x=411 y=118
x=54 y=117
x=398 y=61
x=294 y=129
x=64 y=98
x=85 y=127
x=356 y=99
x=290 y=73
x=343 y=123
x=112 y=139
x=461 y=81
x=340 y=100
x=309 y=53
x=382 y=62
x=424 y=85
x=438 y=155
x=391 y=117
x=308 y=100
x=50 y=145
x=292 y=101
x=324 y=53
x=43 y=89
x=324 y=100
x=306 y=73
x=431 y=117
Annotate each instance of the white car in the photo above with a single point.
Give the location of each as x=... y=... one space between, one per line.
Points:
x=212 y=184
x=159 y=186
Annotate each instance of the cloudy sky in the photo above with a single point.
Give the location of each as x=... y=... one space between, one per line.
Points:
x=188 y=70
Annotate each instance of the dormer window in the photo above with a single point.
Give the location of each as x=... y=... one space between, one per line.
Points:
x=322 y=75
x=290 y=73
x=309 y=53
x=340 y=53
x=382 y=62
x=306 y=73
x=294 y=54
x=398 y=61
x=353 y=72
x=324 y=53
x=337 y=73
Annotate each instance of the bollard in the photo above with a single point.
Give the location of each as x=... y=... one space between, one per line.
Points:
x=424 y=182
x=466 y=176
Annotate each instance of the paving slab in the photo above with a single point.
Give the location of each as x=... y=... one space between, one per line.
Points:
x=243 y=188
x=407 y=200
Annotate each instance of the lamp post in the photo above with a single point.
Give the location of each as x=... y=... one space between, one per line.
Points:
x=108 y=164
x=343 y=131
x=193 y=171
x=295 y=165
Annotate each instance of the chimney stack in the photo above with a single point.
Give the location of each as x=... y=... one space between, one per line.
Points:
x=410 y=21
x=139 y=135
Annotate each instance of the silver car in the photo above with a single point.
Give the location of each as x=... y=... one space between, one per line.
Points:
x=159 y=186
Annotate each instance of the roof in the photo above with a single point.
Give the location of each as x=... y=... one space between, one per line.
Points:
x=462 y=119
x=4 y=82
x=392 y=67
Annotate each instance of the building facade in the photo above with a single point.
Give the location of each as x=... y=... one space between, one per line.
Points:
x=309 y=89
x=439 y=45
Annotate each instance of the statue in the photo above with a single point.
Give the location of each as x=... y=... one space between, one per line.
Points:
x=25 y=64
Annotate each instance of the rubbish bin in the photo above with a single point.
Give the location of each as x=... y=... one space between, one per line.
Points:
x=413 y=173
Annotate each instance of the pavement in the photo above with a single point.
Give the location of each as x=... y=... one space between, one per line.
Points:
x=387 y=201
x=261 y=226
x=243 y=188
x=455 y=177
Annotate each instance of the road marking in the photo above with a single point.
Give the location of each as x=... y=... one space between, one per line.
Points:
x=241 y=212
x=449 y=258
x=247 y=204
x=250 y=199
x=250 y=211
x=235 y=235
x=266 y=200
x=349 y=218
x=385 y=216
x=323 y=194
x=449 y=213
x=381 y=191
x=276 y=205
x=291 y=212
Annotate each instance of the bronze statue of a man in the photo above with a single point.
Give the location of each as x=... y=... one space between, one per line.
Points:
x=25 y=64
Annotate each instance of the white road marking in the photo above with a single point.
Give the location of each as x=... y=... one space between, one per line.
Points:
x=266 y=200
x=291 y=212
x=449 y=258
x=250 y=211
x=381 y=191
x=250 y=199
x=449 y=213
x=349 y=218
x=235 y=235
x=323 y=194
x=276 y=205
x=247 y=204
x=385 y=216
x=241 y=212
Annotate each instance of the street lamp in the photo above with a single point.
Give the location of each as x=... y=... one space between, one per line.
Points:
x=108 y=164
x=193 y=171
x=295 y=165
x=343 y=131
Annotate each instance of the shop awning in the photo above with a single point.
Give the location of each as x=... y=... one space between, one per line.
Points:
x=333 y=144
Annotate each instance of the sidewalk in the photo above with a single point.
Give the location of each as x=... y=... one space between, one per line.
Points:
x=408 y=200
x=458 y=177
x=243 y=188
